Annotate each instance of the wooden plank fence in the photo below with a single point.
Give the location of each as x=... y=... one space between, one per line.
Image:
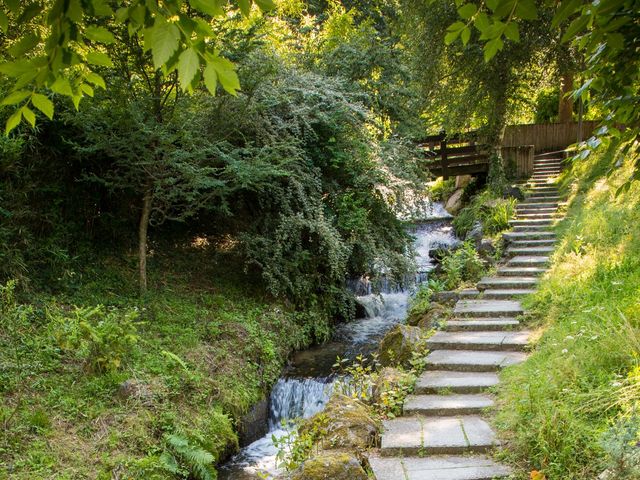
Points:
x=463 y=154
x=547 y=136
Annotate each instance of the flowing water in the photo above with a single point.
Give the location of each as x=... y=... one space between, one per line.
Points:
x=306 y=385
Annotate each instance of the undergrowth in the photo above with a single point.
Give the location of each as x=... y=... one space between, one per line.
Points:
x=571 y=411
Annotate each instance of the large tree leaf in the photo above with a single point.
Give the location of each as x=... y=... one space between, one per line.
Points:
x=164 y=41
x=188 y=67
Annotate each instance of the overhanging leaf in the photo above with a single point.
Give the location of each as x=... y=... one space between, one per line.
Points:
x=13 y=121
x=164 y=41
x=188 y=65
x=43 y=104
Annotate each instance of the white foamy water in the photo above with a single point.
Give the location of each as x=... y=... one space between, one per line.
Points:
x=293 y=398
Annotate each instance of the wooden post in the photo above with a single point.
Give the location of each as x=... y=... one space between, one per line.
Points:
x=443 y=155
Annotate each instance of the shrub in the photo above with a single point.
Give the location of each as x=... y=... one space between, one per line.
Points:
x=442 y=189
x=493 y=212
x=461 y=266
x=103 y=338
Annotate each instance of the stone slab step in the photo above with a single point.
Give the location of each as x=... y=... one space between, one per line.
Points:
x=520 y=271
x=486 y=341
x=447 y=405
x=481 y=324
x=530 y=235
x=435 y=381
x=543 y=196
x=472 y=361
x=476 y=467
x=528 y=261
x=531 y=222
x=436 y=436
x=497 y=294
x=487 y=308
x=537 y=250
x=536 y=211
x=533 y=243
x=507 y=282
x=537 y=204
x=529 y=228
x=535 y=216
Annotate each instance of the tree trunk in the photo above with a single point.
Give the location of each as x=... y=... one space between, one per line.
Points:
x=497 y=125
x=143 y=227
x=565 y=107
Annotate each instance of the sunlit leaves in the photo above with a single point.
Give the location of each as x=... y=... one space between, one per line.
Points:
x=163 y=39
x=77 y=31
x=43 y=104
x=188 y=67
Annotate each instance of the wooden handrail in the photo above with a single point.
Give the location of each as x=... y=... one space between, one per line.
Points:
x=465 y=157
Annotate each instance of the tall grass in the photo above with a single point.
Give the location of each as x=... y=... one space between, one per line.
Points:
x=561 y=409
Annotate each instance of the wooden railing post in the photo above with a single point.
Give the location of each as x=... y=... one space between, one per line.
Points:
x=443 y=156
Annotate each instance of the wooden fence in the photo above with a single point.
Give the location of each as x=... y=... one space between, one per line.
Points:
x=451 y=155
x=547 y=136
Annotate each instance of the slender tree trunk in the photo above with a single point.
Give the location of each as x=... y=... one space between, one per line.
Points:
x=143 y=228
x=498 y=123
x=565 y=107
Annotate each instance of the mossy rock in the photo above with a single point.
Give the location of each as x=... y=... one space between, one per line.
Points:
x=399 y=344
x=435 y=312
x=344 y=423
x=390 y=379
x=330 y=466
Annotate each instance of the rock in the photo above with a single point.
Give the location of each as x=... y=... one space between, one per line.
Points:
x=513 y=192
x=429 y=318
x=463 y=180
x=398 y=345
x=475 y=233
x=487 y=248
x=136 y=390
x=254 y=423
x=389 y=379
x=330 y=466
x=454 y=202
x=344 y=423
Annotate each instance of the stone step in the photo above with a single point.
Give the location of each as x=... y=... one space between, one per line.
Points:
x=520 y=271
x=533 y=243
x=437 y=381
x=447 y=405
x=504 y=282
x=529 y=228
x=537 y=204
x=536 y=211
x=537 y=250
x=498 y=294
x=475 y=467
x=543 y=196
x=531 y=235
x=531 y=222
x=535 y=216
x=481 y=324
x=542 y=176
x=487 y=308
x=528 y=261
x=418 y=435
x=472 y=360
x=486 y=341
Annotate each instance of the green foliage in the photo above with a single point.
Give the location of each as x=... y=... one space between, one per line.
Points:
x=547 y=103
x=187 y=459
x=441 y=189
x=422 y=298
x=103 y=338
x=582 y=378
x=494 y=213
x=605 y=35
x=69 y=59
x=462 y=266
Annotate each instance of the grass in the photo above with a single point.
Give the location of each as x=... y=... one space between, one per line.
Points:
x=571 y=411
x=207 y=345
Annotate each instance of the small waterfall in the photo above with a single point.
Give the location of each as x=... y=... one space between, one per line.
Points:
x=297 y=398
x=307 y=391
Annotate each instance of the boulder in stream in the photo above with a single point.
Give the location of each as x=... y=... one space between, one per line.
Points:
x=345 y=423
x=434 y=317
x=454 y=202
x=330 y=466
x=399 y=344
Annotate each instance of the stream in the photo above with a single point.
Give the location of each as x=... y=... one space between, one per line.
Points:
x=306 y=384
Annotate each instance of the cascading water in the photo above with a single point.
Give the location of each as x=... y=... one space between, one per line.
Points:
x=306 y=386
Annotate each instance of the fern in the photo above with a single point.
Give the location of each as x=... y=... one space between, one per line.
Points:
x=185 y=456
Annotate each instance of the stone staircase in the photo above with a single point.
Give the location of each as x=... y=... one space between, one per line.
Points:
x=442 y=434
